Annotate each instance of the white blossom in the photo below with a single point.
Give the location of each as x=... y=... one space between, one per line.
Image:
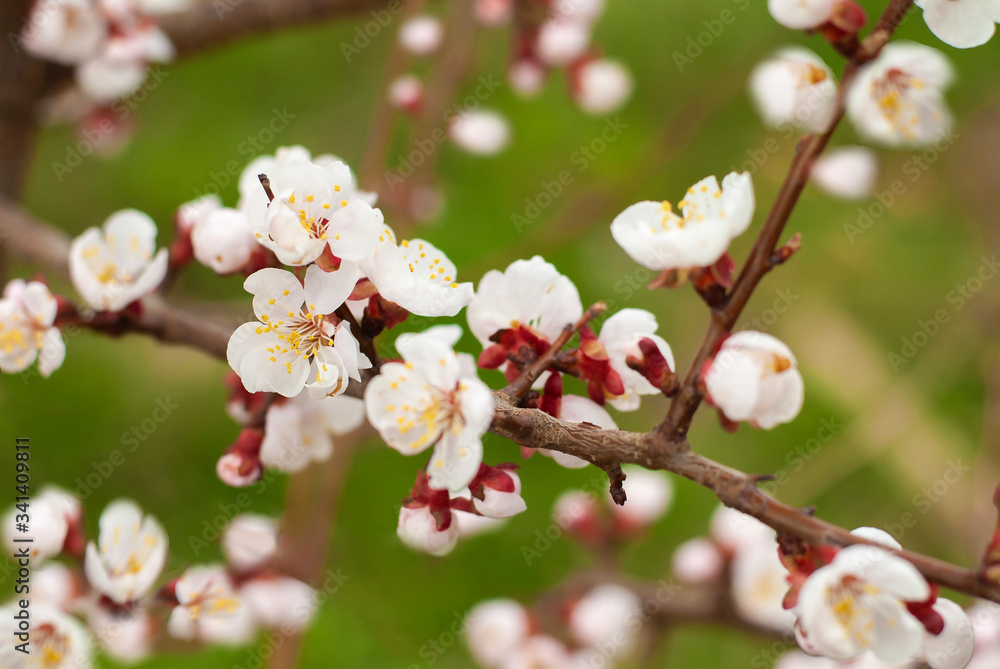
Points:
x=711 y=217
x=279 y=602
x=602 y=86
x=417 y=528
x=857 y=603
x=801 y=14
x=115 y=265
x=65 y=31
x=222 y=239
x=561 y=42
x=50 y=514
x=421 y=35
x=847 y=172
x=209 y=608
x=501 y=503
x=961 y=23
x=120 y=67
x=316 y=206
x=898 y=99
x=27 y=313
x=58 y=639
x=417 y=276
x=759 y=582
x=482 y=133
x=794 y=87
x=754 y=378
x=530 y=293
x=494 y=628
x=126 y=636
x=301 y=430
x=605 y=618
x=697 y=561
x=620 y=335
x=430 y=400
x=250 y=541
x=129 y=555
x=295 y=345
x=952 y=648
x=406 y=92
x=526 y=77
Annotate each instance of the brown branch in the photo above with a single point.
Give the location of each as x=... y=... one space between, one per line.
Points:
x=536 y=429
x=213 y=24
x=37 y=242
x=724 y=318
x=521 y=384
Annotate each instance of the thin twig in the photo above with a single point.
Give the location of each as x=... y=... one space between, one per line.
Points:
x=519 y=386
x=685 y=404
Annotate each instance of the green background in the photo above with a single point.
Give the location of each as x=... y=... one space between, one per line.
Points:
x=851 y=303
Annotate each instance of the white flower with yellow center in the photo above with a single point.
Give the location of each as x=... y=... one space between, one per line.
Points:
x=793 y=88
x=315 y=206
x=755 y=377
x=297 y=343
x=417 y=276
x=115 y=266
x=129 y=555
x=857 y=603
x=433 y=399
x=898 y=99
x=58 y=640
x=654 y=236
x=209 y=609
x=27 y=312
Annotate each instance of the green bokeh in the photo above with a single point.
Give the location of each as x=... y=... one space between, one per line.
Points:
x=680 y=126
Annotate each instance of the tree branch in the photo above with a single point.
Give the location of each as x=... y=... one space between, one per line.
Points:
x=724 y=317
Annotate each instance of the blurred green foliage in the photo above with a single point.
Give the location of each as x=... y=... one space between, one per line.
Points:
x=680 y=126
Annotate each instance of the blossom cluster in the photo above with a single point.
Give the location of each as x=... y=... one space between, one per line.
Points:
x=110 y=44
x=109 y=595
x=558 y=36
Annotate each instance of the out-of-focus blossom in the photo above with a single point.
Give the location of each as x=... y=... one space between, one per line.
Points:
x=847 y=172
x=483 y=133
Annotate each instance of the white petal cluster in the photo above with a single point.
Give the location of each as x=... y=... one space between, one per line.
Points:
x=801 y=14
x=27 y=332
x=961 y=23
x=898 y=99
x=794 y=87
x=295 y=344
x=432 y=399
x=50 y=515
x=117 y=264
x=654 y=236
x=754 y=377
x=111 y=44
x=301 y=430
x=130 y=553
